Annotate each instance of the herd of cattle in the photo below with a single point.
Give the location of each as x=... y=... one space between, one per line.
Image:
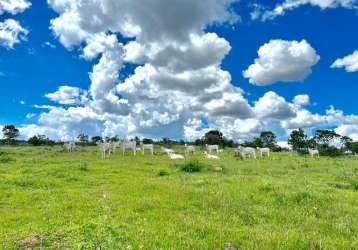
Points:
x=108 y=148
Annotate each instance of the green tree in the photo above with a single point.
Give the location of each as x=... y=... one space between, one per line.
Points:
x=353 y=146
x=268 y=139
x=325 y=137
x=214 y=137
x=298 y=140
x=147 y=141
x=38 y=140
x=326 y=141
x=96 y=139
x=10 y=133
x=83 y=139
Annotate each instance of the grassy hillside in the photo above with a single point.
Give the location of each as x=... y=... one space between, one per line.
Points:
x=145 y=202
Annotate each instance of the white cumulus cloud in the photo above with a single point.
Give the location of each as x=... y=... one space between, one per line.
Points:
x=13 y=6
x=68 y=95
x=11 y=33
x=281 y=60
x=350 y=62
x=288 y=5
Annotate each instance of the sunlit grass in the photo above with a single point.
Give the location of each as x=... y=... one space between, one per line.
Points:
x=145 y=202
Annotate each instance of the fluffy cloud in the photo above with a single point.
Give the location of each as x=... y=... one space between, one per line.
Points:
x=350 y=130
x=281 y=60
x=289 y=5
x=11 y=33
x=350 y=62
x=68 y=95
x=301 y=100
x=273 y=106
x=13 y=6
x=178 y=87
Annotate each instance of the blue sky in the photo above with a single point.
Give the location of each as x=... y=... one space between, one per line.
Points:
x=32 y=68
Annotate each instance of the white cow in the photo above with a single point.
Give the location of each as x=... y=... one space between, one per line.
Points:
x=114 y=146
x=210 y=148
x=174 y=156
x=147 y=147
x=264 y=151
x=167 y=150
x=105 y=147
x=189 y=149
x=246 y=152
x=131 y=145
x=69 y=146
x=211 y=157
x=313 y=152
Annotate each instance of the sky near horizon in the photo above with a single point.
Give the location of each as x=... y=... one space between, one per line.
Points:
x=178 y=68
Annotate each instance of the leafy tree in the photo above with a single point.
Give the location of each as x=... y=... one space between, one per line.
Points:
x=147 y=141
x=353 y=146
x=325 y=137
x=214 y=137
x=298 y=140
x=256 y=142
x=83 y=139
x=268 y=139
x=114 y=139
x=346 y=141
x=10 y=133
x=39 y=140
x=96 y=139
x=325 y=141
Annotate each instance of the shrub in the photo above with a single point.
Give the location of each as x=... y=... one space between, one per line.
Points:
x=163 y=173
x=326 y=150
x=4 y=158
x=192 y=166
x=84 y=167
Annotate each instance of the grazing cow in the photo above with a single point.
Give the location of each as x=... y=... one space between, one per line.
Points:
x=132 y=145
x=246 y=152
x=189 y=150
x=148 y=147
x=313 y=152
x=114 y=146
x=69 y=146
x=210 y=148
x=167 y=151
x=174 y=156
x=264 y=151
x=211 y=157
x=105 y=147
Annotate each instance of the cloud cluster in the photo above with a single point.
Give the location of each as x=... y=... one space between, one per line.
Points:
x=350 y=62
x=11 y=32
x=178 y=87
x=281 y=60
x=68 y=95
x=288 y=5
x=14 y=6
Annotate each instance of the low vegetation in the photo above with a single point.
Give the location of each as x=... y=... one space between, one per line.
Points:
x=50 y=199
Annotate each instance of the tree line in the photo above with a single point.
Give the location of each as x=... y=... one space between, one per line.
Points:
x=328 y=142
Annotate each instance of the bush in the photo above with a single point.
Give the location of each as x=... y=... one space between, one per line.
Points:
x=192 y=166
x=163 y=173
x=83 y=167
x=326 y=150
x=4 y=158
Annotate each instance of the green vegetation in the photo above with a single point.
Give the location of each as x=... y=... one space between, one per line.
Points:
x=191 y=166
x=80 y=201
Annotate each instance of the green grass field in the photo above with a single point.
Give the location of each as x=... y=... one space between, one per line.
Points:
x=80 y=201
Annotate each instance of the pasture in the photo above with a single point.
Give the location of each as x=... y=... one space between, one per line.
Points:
x=80 y=201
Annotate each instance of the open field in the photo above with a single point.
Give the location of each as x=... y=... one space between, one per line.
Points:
x=82 y=201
